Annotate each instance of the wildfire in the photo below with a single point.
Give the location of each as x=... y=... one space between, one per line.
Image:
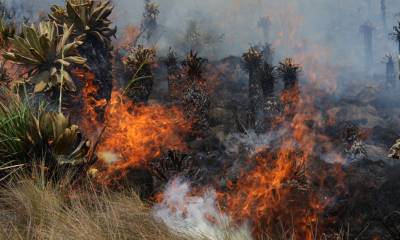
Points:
x=276 y=191
x=133 y=133
x=130 y=34
x=136 y=134
x=91 y=105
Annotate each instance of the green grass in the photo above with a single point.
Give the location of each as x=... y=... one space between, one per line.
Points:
x=15 y=122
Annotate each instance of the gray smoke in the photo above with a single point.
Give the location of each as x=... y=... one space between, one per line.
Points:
x=197 y=217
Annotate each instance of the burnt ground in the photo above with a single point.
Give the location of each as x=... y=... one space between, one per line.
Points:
x=366 y=120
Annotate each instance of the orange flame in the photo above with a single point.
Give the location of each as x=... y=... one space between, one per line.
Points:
x=130 y=35
x=133 y=133
x=136 y=134
x=276 y=188
x=90 y=123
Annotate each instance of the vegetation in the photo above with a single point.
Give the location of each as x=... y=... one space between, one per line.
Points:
x=194 y=66
x=4 y=76
x=5 y=12
x=195 y=98
x=171 y=61
x=396 y=35
x=149 y=23
x=289 y=71
x=89 y=18
x=171 y=165
x=45 y=138
x=267 y=78
x=390 y=72
x=59 y=140
x=174 y=78
x=138 y=64
x=15 y=123
x=7 y=31
x=199 y=39
x=193 y=36
x=33 y=209
x=252 y=60
x=66 y=191
x=47 y=54
x=91 y=25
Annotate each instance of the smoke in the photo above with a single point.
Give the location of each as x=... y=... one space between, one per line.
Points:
x=321 y=35
x=335 y=22
x=30 y=10
x=197 y=217
x=249 y=142
x=295 y=25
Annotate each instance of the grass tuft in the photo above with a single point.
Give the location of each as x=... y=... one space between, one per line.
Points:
x=31 y=210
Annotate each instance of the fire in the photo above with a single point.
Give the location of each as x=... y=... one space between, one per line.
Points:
x=128 y=134
x=130 y=35
x=277 y=188
x=277 y=192
x=135 y=134
x=314 y=57
x=91 y=105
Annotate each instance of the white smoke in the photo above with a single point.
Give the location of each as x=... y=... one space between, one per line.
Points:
x=250 y=142
x=296 y=25
x=197 y=217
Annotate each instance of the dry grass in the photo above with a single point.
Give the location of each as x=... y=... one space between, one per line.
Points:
x=32 y=210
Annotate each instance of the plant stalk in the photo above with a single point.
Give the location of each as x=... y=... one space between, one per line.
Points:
x=61 y=84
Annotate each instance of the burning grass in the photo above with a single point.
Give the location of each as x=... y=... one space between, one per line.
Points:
x=170 y=145
x=32 y=208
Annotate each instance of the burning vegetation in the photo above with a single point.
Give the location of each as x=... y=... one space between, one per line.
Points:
x=243 y=147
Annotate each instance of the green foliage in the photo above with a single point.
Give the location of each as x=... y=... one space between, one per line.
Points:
x=47 y=54
x=15 y=123
x=90 y=20
x=48 y=136
x=54 y=134
x=7 y=31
